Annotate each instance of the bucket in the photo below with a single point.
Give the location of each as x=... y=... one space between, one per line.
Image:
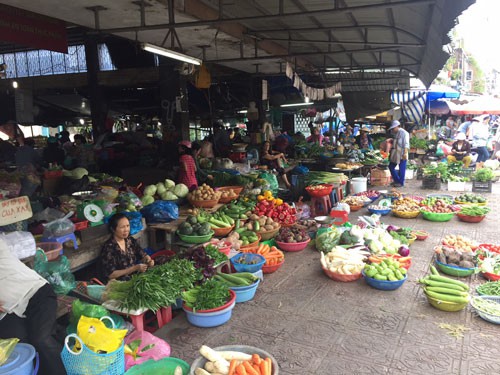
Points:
x=358 y=184
x=20 y=361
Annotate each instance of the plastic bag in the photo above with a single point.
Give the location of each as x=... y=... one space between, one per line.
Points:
x=160 y=212
x=57 y=272
x=59 y=227
x=79 y=309
x=129 y=201
x=97 y=337
x=7 y=347
x=272 y=181
x=21 y=244
x=142 y=346
x=48 y=214
x=135 y=220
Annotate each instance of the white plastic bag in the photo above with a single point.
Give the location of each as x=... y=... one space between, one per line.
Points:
x=21 y=244
x=59 y=227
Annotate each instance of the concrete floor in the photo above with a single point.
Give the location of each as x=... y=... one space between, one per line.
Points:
x=314 y=325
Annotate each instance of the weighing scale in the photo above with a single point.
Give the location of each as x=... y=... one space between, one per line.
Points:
x=91 y=211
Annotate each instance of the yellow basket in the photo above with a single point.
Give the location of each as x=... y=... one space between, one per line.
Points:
x=445 y=305
x=406 y=215
x=412 y=239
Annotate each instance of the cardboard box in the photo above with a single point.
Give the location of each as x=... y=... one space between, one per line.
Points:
x=380 y=181
x=380 y=173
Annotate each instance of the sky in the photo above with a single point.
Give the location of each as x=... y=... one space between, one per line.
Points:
x=479 y=26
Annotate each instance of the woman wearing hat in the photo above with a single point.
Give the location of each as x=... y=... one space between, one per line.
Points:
x=399 y=153
x=187 y=170
x=460 y=151
x=364 y=140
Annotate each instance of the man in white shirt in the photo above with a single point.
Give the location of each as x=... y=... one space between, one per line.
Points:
x=28 y=310
x=399 y=153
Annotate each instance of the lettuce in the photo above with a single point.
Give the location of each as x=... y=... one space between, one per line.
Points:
x=181 y=190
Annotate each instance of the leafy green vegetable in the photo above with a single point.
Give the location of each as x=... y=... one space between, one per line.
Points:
x=207 y=296
x=418 y=143
x=327 y=240
x=484 y=175
x=214 y=253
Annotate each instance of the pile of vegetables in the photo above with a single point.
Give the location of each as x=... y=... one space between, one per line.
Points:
x=372 y=194
x=213 y=252
x=204 y=193
x=436 y=170
x=239 y=209
x=437 y=206
x=220 y=220
x=268 y=196
x=483 y=175
x=233 y=363
x=380 y=241
x=405 y=205
x=487 y=261
x=167 y=191
x=344 y=261
x=246 y=236
x=229 y=193
x=445 y=289
x=404 y=261
x=193 y=226
x=473 y=210
x=351 y=236
x=486 y=306
x=387 y=270
x=317 y=178
x=261 y=223
x=460 y=243
x=454 y=257
x=282 y=214
x=292 y=235
x=154 y=289
x=490 y=247
x=236 y=279
x=209 y=295
x=355 y=200
x=470 y=198
x=490 y=288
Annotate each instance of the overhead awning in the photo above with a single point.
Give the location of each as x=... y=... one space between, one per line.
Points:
x=478 y=106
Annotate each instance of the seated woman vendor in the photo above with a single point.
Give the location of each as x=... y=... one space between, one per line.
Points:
x=121 y=255
x=460 y=151
x=274 y=160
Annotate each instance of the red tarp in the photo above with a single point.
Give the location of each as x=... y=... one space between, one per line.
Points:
x=479 y=106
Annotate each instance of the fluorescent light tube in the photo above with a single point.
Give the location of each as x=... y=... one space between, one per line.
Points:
x=169 y=53
x=296 y=104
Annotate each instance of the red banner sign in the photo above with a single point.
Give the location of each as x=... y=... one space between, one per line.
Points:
x=32 y=29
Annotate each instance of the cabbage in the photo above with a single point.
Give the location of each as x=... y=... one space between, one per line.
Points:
x=150 y=190
x=160 y=188
x=168 y=196
x=169 y=184
x=181 y=190
x=78 y=173
x=491 y=164
x=147 y=199
x=327 y=240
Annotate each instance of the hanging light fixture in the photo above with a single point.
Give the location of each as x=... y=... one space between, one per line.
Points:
x=170 y=54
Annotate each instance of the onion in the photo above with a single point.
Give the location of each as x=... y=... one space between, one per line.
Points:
x=392 y=228
x=404 y=251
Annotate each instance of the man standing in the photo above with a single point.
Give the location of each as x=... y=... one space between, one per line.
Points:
x=28 y=310
x=399 y=153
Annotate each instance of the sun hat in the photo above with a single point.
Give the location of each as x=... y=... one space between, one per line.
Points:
x=185 y=144
x=460 y=137
x=394 y=124
x=365 y=128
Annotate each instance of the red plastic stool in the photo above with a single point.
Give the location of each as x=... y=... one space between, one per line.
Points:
x=341 y=217
x=150 y=322
x=321 y=205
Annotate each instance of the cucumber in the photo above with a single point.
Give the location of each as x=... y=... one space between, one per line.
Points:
x=452 y=292
x=438 y=284
x=234 y=280
x=256 y=226
x=447 y=280
x=434 y=271
x=229 y=219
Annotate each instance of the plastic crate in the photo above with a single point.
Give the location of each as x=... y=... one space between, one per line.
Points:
x=466 y=172
x=456 y=186
x=431 y=183
x=482 y=187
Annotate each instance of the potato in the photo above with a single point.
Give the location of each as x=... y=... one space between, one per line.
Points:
x=268 y=227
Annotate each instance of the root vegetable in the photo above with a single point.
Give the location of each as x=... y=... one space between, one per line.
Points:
x=240 y=356
x=213 y=355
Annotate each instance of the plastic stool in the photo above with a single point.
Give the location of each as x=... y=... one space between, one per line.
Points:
x=146 y=322
x=341 y=217
x=62 y=239
x=321 y=205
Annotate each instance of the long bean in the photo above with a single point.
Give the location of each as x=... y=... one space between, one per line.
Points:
x=486 y=306
x=490 y=288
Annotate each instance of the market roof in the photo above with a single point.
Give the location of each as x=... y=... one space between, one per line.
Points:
x=398 y=36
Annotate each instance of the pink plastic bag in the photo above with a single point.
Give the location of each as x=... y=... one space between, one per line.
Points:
x=144 y=346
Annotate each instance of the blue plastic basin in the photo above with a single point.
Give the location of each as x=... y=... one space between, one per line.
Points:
x=211 y=319
x=245 y=293
x=20 y=361
x=379 y=212
x=241 y=267
x=382 y=284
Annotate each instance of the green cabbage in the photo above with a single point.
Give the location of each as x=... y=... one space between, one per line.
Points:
x=79 y=172
x=169 y=184
x=160 y=188
x=150 y=190
x=181 y=190
x=147 y=199
x=327 y=240
x=168 y=196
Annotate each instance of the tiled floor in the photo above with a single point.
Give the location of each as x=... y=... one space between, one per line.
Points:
x=314 y=325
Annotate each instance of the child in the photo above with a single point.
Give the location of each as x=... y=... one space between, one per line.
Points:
x=187 y=170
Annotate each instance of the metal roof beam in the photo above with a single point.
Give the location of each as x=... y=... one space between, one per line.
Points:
x=269 y=17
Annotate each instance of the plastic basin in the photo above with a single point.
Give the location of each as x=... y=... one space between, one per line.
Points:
x=379 y=212
x=245 y=293
x=437 y=216
x=195 y=239
x=295 y=246
x=383 y=284
x=52 y=250
x=270 y=269
x=318 y=193
x=445 y=305
x=470 y=219
x=250 y=257
x=96 y=291
x=204 y=204
x=209 y=319
x=495 y=319
x=343 y=278
x=454 y=270
x=490 y=276
x=222 y=232
x=20 y=361
x=163 y=366
x=200 y=361
x=230 y=301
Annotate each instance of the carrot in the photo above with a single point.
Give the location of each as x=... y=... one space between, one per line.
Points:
x=249 y=369
x=256 y=359
x=257 y=368
x=269 y=365
x=232 y=367
x=261 y=248
x=240 y=370
x=266 y=250
x=263 y=367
